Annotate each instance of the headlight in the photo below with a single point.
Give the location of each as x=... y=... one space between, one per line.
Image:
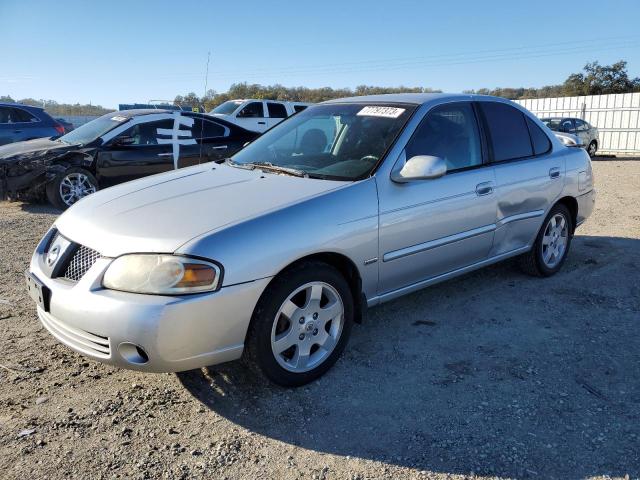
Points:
x=161 y=274
x=568 y=141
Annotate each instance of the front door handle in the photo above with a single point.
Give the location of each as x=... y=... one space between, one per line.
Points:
x=554 y=172
x=17 y=131
x=484 y=188
x=262 y=123
x=165 y=154
x=220 y=147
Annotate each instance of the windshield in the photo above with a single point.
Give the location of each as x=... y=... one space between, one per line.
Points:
x=333 y=141
x=227 y=108
x=88 y=132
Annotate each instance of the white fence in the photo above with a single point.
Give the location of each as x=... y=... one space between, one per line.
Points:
x=617 y=117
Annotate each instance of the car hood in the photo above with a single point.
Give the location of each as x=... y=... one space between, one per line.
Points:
x=162 y=212
x=32 y=148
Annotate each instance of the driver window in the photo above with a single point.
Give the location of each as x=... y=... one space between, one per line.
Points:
x=144 y=133
x=450 y=132
x=567 y=125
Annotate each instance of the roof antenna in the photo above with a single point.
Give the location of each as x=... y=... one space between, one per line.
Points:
x=206 y=84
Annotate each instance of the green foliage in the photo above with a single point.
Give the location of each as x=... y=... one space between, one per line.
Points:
x=293 y=94
x=596 y=79
x=55 y=109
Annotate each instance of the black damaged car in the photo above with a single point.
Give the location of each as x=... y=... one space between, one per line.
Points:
x=114 y=148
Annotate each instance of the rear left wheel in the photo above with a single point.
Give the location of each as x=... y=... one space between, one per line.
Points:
x=301 y=325
x=552 y=244
x=592 y=149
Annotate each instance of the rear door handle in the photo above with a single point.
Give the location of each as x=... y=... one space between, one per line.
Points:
x=17 y=131
x=262 y=123
x=220 y=147
x=165 y=154
x=484 y=188
x=554 y=172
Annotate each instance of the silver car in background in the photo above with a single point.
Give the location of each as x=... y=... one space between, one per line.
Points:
x=274 y=254
x=575 y=132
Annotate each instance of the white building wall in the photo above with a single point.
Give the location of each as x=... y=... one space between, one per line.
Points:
x=617 y=117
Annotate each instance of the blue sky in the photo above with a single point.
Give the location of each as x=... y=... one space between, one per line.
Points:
x=110 y=52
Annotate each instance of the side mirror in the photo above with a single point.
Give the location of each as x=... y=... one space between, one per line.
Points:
x=421 y=167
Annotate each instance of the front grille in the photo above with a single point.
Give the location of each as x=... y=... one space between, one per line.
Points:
x=86 y=342
x=82 y=260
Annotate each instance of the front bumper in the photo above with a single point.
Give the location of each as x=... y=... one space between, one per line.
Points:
x=175 y=333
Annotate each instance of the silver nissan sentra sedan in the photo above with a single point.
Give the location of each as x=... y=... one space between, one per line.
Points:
x=272 y=255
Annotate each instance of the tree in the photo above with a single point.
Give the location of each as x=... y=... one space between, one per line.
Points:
x=601 y=79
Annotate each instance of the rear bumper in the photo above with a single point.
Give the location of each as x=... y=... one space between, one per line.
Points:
x=175 y=333
x=586 y=204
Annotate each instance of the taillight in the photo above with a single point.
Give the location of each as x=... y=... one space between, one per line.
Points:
x=60 y=129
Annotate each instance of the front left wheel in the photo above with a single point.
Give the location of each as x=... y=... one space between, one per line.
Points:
x=300 y=325
x=70 y=186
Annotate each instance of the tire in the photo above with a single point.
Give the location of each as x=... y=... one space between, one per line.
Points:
x=544 y=259
x=592 y=148
x=63 y=182
x=283 y=317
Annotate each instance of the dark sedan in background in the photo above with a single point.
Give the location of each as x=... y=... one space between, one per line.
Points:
x=114 y=148
x=23 y=122
x=586 y=134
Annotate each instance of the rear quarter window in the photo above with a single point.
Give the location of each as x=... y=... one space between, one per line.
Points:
x=539 y=139
x=507 y=131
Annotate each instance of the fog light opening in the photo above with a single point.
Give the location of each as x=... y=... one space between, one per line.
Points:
x=133 y=353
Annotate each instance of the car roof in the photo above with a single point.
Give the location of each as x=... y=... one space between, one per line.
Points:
x=415 y=98
x=20 y=105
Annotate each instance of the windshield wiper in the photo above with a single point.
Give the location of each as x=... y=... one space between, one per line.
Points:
x=269 y=167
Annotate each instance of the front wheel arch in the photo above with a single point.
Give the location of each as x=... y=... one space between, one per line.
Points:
x=346 y=267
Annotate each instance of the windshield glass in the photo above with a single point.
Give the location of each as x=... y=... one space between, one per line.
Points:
x=333 y=141
x=88 y=132
x=227 y=108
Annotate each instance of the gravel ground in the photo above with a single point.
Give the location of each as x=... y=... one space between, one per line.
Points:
x=495 y=374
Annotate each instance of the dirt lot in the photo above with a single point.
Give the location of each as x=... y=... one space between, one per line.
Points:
x=495 y=374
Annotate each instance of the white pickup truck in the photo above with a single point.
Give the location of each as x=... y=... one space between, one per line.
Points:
x=257 y=115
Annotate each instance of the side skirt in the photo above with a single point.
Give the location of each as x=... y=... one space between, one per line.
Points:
x=385 y=297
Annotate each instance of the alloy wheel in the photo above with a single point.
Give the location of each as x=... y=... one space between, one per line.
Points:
x=75 y=186
x=307 y=327
x=555 y=240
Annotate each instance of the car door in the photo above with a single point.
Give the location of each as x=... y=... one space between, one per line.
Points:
x=432 y=227
x=135 y=153
x=252 y=117
x=277 y=112
x=529 y=177
x=213 y=142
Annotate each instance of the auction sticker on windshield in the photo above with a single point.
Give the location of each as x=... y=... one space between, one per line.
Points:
x=388 y=112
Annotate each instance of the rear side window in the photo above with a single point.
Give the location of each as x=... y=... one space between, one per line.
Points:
x=539 y=139
x=252 y=110
x=299 y=108
x=508 y=132
x=276 y=110
x=207 y=129
x=17 y=115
